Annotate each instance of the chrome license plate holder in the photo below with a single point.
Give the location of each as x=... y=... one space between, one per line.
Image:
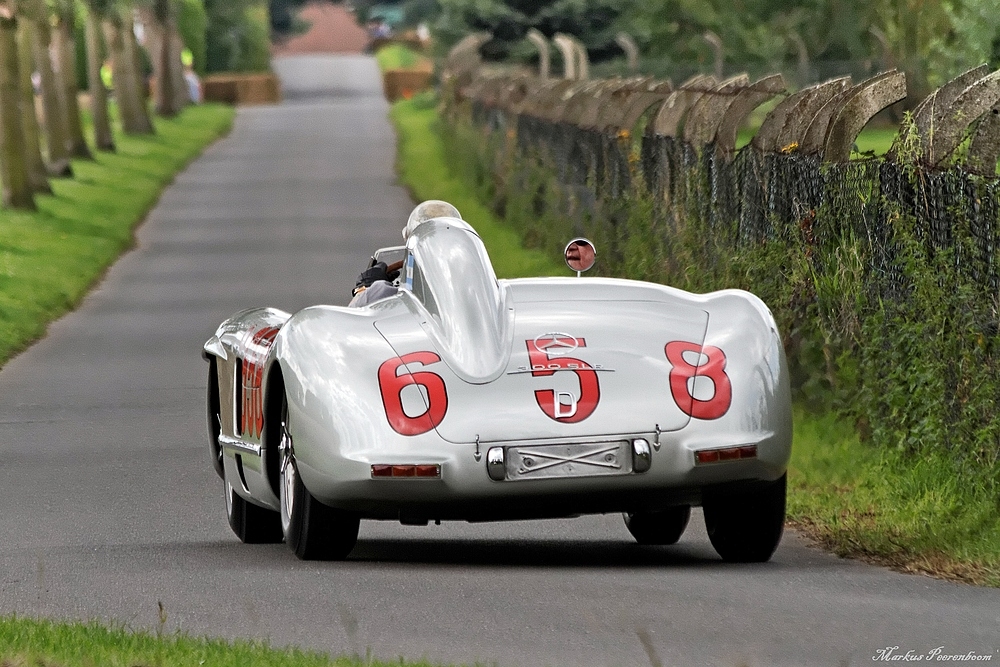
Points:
x=592 y=459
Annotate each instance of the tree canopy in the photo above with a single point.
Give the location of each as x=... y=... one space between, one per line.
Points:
x=593 y=21
x=237 y=35
x=283 y=15
x=931 y=40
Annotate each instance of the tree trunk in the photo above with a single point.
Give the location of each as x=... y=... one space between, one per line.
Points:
x=66 y=50
x=119 y=82
x=56 y=132
x=103 y=137
x=181 y=96
x=37 y=175
x=17 y=191
x=160 y=29
x=144 y=125
x=131 y=101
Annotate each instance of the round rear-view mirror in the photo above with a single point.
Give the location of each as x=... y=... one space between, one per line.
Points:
x=580 y=255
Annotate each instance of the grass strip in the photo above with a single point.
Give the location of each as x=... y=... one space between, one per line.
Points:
x=876 y=505
x=27 y=642
x=849 y=497
x=423 y=168
x=49 y=259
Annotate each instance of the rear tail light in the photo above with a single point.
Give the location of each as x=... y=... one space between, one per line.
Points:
x=705 y=456
x=422 y=471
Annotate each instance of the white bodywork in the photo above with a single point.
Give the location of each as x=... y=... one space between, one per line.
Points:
x=459 y=367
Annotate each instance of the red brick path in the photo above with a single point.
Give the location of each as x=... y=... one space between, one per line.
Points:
x=333 y=30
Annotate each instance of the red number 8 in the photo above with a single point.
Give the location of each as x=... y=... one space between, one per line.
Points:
x=714 y=369
x=391 y=385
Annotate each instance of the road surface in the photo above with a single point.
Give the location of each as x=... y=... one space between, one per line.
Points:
x=112 y=506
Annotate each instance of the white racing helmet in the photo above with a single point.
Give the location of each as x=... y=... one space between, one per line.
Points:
x=428 y=210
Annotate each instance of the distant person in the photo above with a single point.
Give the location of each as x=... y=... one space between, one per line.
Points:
x=193 y=85
x=423 y=33
x=191 y=78
x=378 y=32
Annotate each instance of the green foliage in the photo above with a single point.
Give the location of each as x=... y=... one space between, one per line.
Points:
x=808 y=40
x=931 y=40
x=593 y=21
x=49 y=259
x=192 y=23
x=238 y=36
x=80 y=44
x=283 y=13
x=399 y=56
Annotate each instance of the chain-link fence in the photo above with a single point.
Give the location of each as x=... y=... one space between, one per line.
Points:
x=752 y=195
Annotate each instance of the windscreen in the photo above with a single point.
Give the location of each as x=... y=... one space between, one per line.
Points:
x=449 y=272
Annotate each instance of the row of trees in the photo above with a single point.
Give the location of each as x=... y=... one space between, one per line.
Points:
x=809 y=40
x=931 y=40
x=38 y=48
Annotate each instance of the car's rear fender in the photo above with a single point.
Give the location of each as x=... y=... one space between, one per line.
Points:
x=329 y=360
x=743 y=336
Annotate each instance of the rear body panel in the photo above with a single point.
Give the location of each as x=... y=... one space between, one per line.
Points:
x=574 y=370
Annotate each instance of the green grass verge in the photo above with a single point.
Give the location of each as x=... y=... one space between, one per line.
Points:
x=423 y=168
x=876 y=505
x=48 y=644
x=49 y=259
x=849 y=497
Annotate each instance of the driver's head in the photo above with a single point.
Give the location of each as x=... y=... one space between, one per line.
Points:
x=430 y=209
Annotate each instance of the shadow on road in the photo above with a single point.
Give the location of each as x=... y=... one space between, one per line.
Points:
x=529 y=553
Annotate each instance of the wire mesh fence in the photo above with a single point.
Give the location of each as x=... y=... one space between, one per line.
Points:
x=754 y=196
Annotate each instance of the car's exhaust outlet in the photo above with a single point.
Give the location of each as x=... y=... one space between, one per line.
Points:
x=642 y=457
x=496 y=464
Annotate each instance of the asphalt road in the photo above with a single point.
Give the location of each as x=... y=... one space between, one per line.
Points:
x=111 y=504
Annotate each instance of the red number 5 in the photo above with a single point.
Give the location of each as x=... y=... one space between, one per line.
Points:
x=578 y=409
x=714 y=369
x=391 y=384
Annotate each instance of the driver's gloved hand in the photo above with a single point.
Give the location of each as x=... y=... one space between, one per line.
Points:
x=371 y=275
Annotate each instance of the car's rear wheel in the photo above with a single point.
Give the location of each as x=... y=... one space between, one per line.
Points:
x=253 y=524
x=312 y=530
x=664 y=527
x=746 y=527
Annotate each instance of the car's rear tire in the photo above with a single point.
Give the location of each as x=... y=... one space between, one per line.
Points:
x=312 y=530
x=657 y=528
x=746 y=527
x=253 y=524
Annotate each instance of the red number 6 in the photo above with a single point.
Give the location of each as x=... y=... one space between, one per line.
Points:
x=391 y=385
x=714 y=369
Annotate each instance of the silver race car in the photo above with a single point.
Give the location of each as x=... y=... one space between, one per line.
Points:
x=458 y=396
